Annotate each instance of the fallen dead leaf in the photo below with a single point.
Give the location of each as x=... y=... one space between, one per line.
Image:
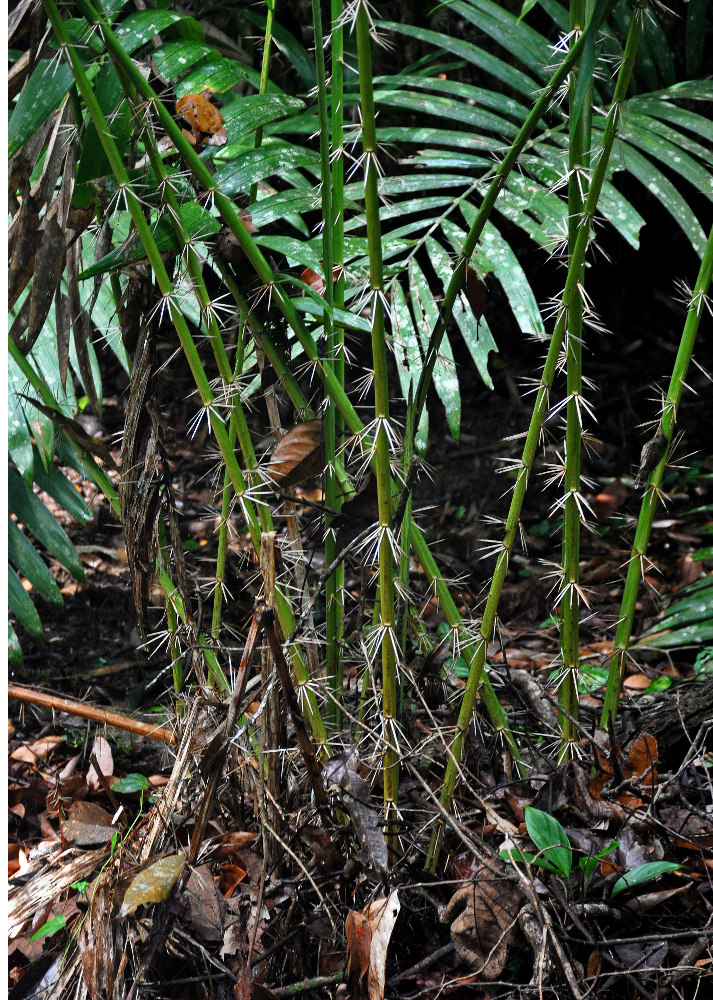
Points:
x=358 y=933
x=483 y=915
x=88 y=824
x=381 y=914
x=102 y=751
x=39 y=749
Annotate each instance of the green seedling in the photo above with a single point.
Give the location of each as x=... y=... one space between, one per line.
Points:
x=555 y=854
x=643 y=873
x=547 y=834
x=50 y=928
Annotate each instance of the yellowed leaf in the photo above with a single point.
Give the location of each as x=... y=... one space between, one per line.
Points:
x=153 y=884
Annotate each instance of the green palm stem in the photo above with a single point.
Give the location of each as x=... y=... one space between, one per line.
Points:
x=650 y=499
x=387 y=618
x=365 y=686
x=43 y=391
x=455 y=284
x=188 y=346
x=264 y=78
x=469 y=648
x=225 y=508
x=405 y=539
x=334 y=359
x=176 y=601
x=569 y=295
x=578 y=155
x=333 y=657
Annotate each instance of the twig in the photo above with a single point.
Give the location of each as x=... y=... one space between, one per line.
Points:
x=72 y=707
x=307 y=984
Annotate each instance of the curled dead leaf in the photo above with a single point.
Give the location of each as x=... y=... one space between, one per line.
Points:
x=88 y=824
x=483 y=915
x=298 y=456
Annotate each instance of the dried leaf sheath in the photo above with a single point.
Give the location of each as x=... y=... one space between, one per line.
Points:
x=145 y=489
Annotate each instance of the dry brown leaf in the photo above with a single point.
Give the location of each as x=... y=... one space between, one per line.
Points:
x=358 y=932
x=88 y=824
x=40 y=748
x=483 y=915
x=298 y=456
x=207 y=906
x=102 y=751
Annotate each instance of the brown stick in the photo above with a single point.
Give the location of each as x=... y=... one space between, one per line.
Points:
x=72 y=707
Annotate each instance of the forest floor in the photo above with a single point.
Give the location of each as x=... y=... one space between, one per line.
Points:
x=287 y=899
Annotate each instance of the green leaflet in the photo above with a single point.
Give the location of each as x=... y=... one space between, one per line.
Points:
x=21 y=605
x=490 y=64
x=518 y=39
x=217 y=75
x=174 y=59
x=139 y=28
x=476 y=334
x=445 y=378
x=661 y=187
x=239 y=174
x=58 y=486
x=246 y=114
x=27 y=561
x=44 y=91
x=30 y=510
x=407 y=353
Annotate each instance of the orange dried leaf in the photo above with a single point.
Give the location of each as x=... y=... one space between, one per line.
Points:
x=643 y=758
x=230 y=878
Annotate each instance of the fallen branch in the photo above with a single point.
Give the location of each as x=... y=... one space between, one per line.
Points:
x=72 y=707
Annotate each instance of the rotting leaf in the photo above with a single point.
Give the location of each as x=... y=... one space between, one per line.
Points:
x=153 y=884
x=298 y=456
